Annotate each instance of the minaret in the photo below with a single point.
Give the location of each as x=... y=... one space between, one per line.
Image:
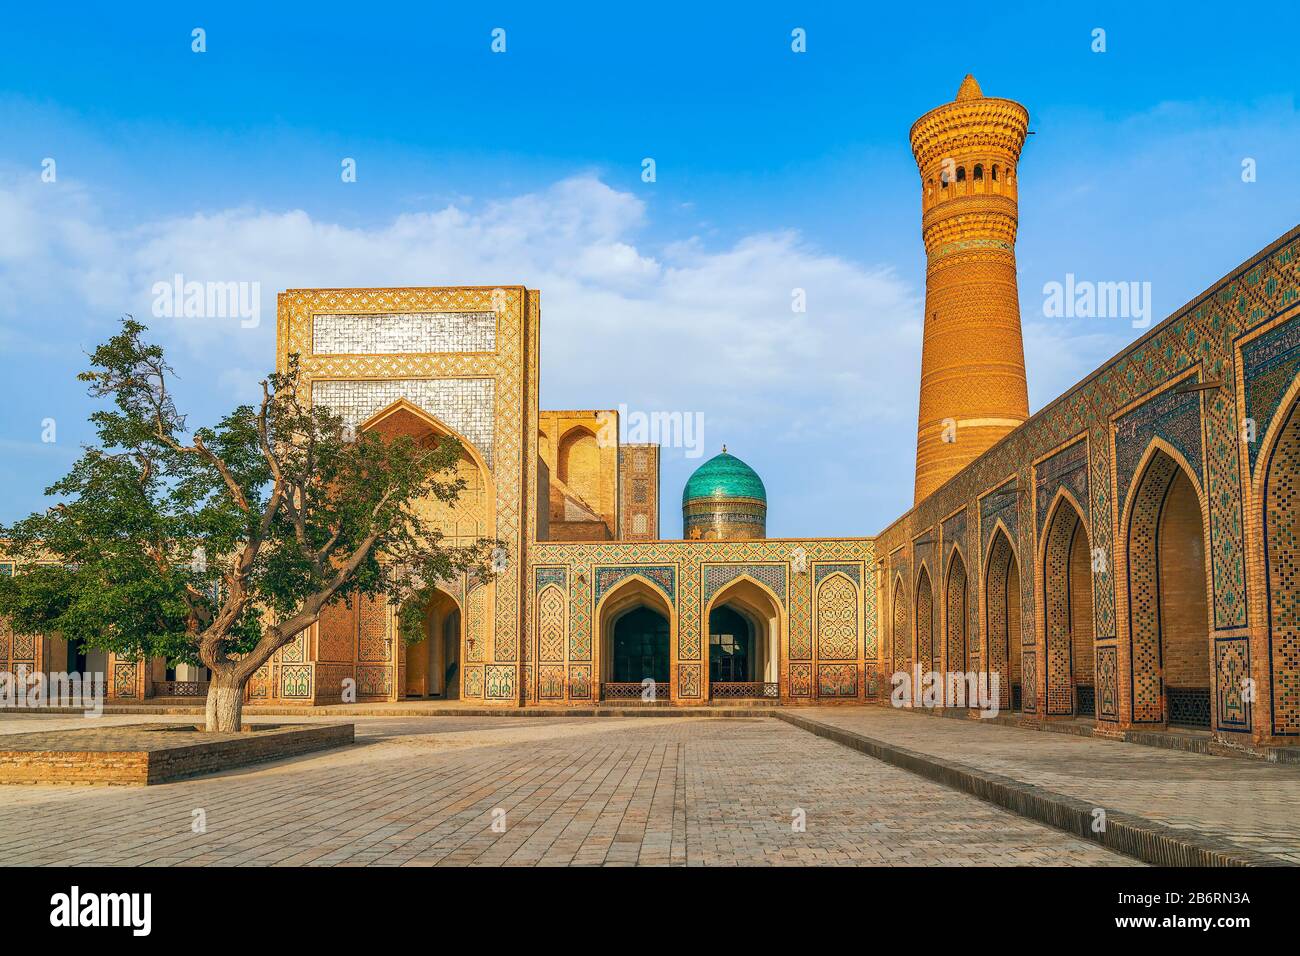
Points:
x=973 y=360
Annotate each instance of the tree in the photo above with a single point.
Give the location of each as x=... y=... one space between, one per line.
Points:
x=218 y=546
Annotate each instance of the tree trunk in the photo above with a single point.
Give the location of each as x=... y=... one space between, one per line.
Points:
x=225 y=702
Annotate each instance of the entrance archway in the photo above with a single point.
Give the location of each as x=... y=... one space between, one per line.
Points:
x=1002 y=617
x=433 y=664
x=636 y=633
x=744 y=637
x=1067 y=612
x=1169 y=632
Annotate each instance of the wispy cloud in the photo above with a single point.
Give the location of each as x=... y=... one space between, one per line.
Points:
x=683 y=327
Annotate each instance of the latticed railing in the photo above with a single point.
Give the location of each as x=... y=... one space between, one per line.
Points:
x=1189 y=706
x=743 y=690
x=633 y=690
x=180 y=688
x=1085 y=700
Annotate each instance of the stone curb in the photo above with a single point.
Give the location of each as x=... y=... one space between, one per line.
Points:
x=1125 y=833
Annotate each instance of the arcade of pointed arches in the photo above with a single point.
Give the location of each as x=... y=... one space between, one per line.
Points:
x=1165 y=651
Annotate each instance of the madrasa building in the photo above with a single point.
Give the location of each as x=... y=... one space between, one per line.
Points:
x=1126 y=556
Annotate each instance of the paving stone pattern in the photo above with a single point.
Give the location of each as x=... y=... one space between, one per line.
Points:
x=422 y=791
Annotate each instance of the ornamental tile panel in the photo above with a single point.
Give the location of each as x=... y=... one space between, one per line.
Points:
x=387 y=333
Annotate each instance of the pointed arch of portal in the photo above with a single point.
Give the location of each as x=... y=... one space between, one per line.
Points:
x=901 y=638
x=926 y=649
x=761 y=607
x=1002 y=620
x=1065 y=557
x=473 y=514
x=432 y=665
x=956 y=597
x=632 y=593
x=577 y=465
x=1167 y=592
x=1277 y=496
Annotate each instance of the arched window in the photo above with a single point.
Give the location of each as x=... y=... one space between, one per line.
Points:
x=943 y=179
x=979 y=172
x=961 y=174
x=995 y=172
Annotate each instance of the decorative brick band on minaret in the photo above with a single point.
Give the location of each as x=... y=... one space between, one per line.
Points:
x=973 y=360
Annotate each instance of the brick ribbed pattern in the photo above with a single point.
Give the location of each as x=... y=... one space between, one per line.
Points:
x=972 y=364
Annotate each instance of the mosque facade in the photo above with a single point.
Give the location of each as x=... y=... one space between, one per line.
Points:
x=1126 y=557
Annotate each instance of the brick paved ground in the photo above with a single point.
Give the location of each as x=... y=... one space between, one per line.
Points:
x=1251 y=803
x=612 y=791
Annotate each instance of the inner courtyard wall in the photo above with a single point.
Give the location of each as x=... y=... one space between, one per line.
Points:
x=823 y=591
x=1205 y=392
x=1204 y=395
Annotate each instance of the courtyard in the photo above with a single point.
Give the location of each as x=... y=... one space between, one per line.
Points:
x=519 y=791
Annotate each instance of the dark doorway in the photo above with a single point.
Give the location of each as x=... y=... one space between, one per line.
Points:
x=730 y=646
x=641 y=647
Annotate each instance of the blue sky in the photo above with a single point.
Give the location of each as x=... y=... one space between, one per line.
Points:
x=775 y=170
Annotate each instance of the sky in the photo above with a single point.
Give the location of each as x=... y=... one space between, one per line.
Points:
x=775 y=170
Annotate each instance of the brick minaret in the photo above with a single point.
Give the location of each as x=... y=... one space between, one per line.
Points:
x=973 y=361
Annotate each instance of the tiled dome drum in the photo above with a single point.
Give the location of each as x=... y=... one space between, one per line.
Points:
x=724 y=500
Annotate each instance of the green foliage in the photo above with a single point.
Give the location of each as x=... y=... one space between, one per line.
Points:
x=216 y=546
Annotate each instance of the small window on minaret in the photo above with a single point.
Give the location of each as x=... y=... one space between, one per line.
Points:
x=943 y=179
x=961 y=174
x=995 y=172
x=979 y=171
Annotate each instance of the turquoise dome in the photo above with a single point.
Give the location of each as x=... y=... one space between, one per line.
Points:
x=724 y=476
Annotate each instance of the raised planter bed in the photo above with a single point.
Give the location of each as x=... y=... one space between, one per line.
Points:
x=141 y=754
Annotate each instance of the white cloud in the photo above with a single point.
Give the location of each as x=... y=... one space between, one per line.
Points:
x=679 y=328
